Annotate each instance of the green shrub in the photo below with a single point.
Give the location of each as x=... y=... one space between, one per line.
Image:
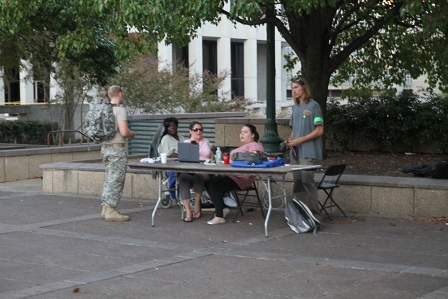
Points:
x=26 y=131
x=387 y=121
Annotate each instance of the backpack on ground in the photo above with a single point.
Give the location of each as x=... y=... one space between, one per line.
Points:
x=441 y=170
x=100 y=122
x=420 y=170
x=299 y=217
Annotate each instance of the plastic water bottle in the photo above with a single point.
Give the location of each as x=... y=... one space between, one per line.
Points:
x=218 y=155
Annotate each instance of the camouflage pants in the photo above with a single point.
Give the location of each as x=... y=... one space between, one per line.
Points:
x=114 y=159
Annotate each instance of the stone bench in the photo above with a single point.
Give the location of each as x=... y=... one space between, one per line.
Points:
x=22 y=162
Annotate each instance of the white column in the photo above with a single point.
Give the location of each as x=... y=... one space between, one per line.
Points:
x=165 y=55
x=2 y=88
x=195 y=56
x=224 y=62
x=26 y=84
x=55 y=88
x=251 y=66
x=279 y=87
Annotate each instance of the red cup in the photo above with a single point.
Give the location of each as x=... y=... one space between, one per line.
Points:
x=226 y=158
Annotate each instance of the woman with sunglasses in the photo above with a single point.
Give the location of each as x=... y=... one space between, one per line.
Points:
x=195 y=180
x=305 y=142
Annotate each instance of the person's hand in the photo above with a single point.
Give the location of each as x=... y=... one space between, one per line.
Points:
x=293 y=142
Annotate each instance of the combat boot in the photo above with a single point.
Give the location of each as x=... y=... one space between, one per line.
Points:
x=113 y=215
x=103 y=211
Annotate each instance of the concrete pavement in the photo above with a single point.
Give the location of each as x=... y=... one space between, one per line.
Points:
x=57 y=246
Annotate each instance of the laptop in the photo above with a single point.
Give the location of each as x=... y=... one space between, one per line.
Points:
x=187 y=152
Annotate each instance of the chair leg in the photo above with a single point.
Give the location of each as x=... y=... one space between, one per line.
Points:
x=322 y=208
x=259 y=202
x=336 y=204
x=333 y=203
x=239 y=205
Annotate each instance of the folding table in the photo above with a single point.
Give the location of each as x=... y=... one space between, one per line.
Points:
x=264 y=174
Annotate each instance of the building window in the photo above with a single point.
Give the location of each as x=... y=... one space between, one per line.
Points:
x=13 y=91
x=40 y=92
x=41 y=83
x=237 y=64
x=182 y=57
x=210 y=56
x=12 y=84
x=210 y=63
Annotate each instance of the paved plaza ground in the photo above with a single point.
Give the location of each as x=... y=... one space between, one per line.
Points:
x=57 y=246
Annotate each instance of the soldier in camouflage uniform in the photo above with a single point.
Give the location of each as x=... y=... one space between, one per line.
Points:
x=115 y=158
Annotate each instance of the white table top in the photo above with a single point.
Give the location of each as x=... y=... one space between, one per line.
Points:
x=171 y=165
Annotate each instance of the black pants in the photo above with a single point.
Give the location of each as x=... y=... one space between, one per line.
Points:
x=216 y=187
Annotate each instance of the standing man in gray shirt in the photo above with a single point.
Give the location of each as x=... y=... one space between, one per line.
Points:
x=115 y=158
x=305 y=142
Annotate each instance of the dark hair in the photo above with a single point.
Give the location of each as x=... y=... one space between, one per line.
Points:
x=166 y=123
x=306 y=89
x=253 y=130
x=191 y=126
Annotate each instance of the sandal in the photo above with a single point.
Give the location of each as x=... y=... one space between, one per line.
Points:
x=188 y=219
x=197 y=215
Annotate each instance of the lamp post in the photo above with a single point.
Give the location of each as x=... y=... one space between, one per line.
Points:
x=270 y=140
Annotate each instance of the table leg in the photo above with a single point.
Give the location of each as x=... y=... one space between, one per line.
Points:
x=160 y=198
x=269 y=209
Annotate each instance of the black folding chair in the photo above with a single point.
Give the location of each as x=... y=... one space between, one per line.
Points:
x=328 y=183
x=245 y=194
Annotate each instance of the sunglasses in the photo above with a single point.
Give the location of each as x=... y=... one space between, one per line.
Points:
x=298 y=80
x=197 y=129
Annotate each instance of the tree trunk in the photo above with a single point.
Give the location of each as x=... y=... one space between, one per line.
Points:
x=319 y=90
x=315 y=56
x=68 y=112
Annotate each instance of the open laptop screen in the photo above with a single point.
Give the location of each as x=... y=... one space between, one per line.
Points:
x=188 y=152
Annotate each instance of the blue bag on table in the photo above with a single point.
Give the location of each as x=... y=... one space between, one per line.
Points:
x=259 y=164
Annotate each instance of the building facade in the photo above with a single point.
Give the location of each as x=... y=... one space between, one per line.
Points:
x=242 y=50
x=237 y=48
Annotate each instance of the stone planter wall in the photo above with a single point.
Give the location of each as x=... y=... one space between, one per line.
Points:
x=361 y=194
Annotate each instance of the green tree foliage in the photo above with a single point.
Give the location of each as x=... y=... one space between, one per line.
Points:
x=46 y=32
x=376 y=40
x=149 y=89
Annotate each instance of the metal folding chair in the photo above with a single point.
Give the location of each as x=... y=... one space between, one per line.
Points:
x=328 y=183
x=245 y=194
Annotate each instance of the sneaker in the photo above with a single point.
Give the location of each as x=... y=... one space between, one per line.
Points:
x=220 y=221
